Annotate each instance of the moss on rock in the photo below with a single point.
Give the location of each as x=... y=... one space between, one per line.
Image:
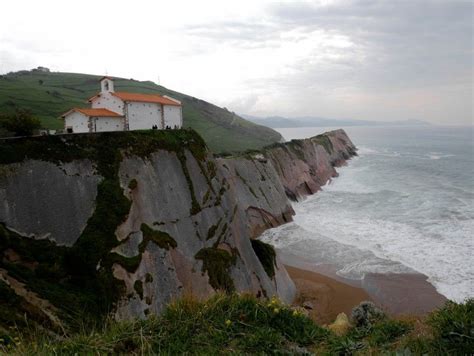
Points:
x=161 y=238
x=217 y=263
x=80 y=278
x=324 y=141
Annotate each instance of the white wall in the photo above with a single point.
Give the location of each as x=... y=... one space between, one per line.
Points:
x=142 y=116
x=173 y=116
x=108 y=124
x=77 y=121
x=108 y=101
x=104 y=83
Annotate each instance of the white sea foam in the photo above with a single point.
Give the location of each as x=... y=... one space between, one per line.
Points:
x=441 y=260
x=362 y=150
x=402 y=205
x=438 y=155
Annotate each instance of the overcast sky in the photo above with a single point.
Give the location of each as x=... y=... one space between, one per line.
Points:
x=376 y=60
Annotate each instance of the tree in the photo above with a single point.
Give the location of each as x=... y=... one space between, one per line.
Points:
x=21 y=123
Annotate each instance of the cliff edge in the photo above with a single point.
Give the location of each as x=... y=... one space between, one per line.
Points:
x=126 y=222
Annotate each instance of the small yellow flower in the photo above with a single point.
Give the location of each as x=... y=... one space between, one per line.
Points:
x=228 y=322
x=276 y=310
x=295 y=313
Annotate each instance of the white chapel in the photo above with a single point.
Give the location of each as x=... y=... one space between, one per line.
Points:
x=121 y=111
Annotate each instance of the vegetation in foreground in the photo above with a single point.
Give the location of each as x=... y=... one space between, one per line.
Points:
x=243 y=324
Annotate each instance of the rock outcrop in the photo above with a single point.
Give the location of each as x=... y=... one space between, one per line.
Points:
x=127 y=222
x=304 y=166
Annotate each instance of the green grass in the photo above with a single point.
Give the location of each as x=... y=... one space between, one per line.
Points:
x=48 y=95
x=233 y=324
x=223 y=324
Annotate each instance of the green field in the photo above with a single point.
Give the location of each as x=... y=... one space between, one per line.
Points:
x=48 y=95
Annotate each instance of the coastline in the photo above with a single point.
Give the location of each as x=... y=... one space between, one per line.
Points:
x=326 y=297
x=330 y=294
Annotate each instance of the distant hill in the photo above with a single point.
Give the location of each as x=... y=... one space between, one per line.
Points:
x=280 y=122
x=49 y=94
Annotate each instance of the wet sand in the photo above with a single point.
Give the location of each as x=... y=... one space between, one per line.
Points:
x=403 y=293
x=327 y=296
x=396 y=294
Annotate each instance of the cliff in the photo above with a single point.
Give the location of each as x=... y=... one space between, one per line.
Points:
x=125 y=222
x=304 y=166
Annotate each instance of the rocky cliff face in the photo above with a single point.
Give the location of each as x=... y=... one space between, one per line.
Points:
x=127 y=222
x=304 y=166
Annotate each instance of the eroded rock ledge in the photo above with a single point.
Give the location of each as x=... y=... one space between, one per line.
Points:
x=127 y=222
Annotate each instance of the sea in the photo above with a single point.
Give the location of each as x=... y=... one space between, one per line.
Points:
x=404 y=205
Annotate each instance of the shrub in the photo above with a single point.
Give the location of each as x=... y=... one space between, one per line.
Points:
x=344 y=346
x=21 y=123
x=453 y=327
x=387 y=331
x=366 y=313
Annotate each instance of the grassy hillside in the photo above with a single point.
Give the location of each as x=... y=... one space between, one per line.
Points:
x=242 y=325
x=48 y=95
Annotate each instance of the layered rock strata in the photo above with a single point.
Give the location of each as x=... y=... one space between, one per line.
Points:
x=146 y=218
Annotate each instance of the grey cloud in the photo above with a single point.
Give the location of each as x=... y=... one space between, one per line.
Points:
x=397 y=43
x=398 y=47
x=404 y=42
x=242 y=34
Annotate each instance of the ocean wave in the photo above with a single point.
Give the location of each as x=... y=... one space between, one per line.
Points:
x=363 y=150
x=347 y=261
x=404 y=200
x=438 y=155
x=437 y=254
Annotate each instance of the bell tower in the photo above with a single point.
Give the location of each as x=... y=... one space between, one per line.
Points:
x=106 y=85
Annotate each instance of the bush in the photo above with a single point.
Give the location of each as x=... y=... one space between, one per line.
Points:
x=366 y=313
x=453 y=327
x=387 y=331
x=21 y=123
x=344 y=346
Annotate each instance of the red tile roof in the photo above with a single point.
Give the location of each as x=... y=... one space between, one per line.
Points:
x=95 y=112
x=145 y=98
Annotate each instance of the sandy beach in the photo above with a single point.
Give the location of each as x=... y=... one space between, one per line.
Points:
x=329 y=294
